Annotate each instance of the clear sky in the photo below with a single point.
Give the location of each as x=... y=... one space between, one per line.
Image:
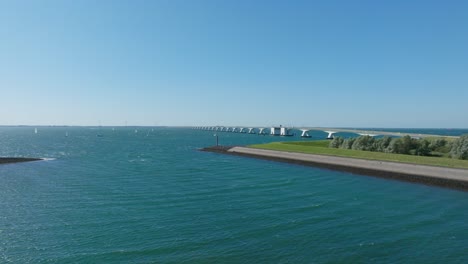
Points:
x=343 y=63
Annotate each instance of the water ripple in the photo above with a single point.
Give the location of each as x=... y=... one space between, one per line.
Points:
x=152 y=197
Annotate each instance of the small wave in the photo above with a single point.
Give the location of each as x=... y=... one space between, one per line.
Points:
x=48 y=159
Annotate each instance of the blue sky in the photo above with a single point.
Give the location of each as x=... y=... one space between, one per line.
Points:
x=303 y=63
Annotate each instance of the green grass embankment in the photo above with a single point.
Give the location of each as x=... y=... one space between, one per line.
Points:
x=320 y=147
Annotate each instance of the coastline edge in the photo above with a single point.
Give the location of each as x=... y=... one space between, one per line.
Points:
x=434 y=180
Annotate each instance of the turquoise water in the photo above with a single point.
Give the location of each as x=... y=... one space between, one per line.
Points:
x=151 y=197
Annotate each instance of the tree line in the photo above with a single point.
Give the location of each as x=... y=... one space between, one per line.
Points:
x=457 y=149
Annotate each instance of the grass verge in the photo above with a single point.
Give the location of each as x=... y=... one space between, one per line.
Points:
x=320 y=147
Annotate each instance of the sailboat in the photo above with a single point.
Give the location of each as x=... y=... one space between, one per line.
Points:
x=99 y=133
x=35 y=130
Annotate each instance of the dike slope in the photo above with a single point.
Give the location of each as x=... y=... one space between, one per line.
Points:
x=432 y=175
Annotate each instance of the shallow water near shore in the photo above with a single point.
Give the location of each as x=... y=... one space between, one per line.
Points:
x=143 y=195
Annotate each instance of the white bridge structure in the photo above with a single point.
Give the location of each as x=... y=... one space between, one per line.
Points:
x=273 y=131
x=286 y=131
x=304 y=133
x=330 y=134
x=280 y=131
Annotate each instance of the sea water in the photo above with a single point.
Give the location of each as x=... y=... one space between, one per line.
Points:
x=149 y=196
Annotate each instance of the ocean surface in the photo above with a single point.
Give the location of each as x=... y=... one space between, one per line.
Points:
x=147 y=195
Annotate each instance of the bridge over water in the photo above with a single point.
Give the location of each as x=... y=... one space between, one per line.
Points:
x=287 y=131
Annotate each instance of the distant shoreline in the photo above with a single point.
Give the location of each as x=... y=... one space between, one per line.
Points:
x=8 y=160
x=430 y=175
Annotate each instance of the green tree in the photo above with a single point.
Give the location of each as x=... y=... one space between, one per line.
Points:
x=422 y=148
x=336 y=142
x=437 y=144
x=407 y=144
x=459 y=148
x=363 y=143
x=348 y=143
x=382 y=144
x=394 y=146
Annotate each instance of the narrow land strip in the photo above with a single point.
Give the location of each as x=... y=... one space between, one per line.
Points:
x=16 y=160
x=379 y=132
x=432 y=175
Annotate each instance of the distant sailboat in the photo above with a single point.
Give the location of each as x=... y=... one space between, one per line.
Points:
x=99 y=133
x=35 y=130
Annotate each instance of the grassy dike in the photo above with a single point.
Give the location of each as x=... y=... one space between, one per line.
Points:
x=320 y=147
